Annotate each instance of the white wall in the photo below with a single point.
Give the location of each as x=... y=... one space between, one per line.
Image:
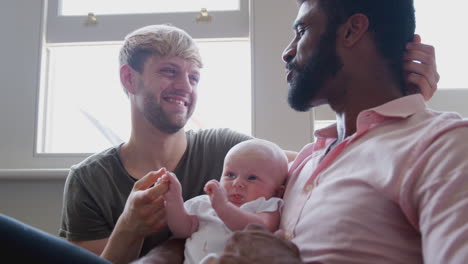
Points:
x=36 y=198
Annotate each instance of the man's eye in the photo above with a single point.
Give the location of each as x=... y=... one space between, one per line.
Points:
x=169 y=71
x=301 y=32
x=194 y=79
x=252 y=178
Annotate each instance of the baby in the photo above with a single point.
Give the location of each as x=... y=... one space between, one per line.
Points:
x=249 y=191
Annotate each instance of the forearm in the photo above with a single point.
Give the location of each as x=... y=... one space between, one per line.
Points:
x=170 y=252
x=123 y=246
x=181 y=224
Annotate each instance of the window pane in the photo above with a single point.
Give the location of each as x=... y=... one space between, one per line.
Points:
x=439 y=27
x=83 y=7
x=88 y=111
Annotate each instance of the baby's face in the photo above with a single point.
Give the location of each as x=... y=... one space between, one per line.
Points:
x=248 y=177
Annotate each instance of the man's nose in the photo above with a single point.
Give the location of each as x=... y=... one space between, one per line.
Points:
x=183 y=83
x=290 y=52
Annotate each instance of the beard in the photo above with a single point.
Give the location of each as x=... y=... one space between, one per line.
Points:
x=155 y=114
x=321 y=66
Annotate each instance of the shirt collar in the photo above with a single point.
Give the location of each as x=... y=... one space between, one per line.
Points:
x=403 y=107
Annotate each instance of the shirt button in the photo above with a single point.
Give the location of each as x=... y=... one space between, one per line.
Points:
x=309 y=187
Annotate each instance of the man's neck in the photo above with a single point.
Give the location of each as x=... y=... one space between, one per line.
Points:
x=363 y=92
x=151 y=150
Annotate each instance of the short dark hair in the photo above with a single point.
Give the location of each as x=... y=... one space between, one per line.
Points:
x=392 y=23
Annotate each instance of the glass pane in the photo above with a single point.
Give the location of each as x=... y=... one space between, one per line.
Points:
x=83 y=7
x=439 y=27
x=88 y=111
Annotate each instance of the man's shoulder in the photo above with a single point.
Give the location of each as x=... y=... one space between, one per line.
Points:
x=441 y=121
x=214 y=132
x=101 y=159
x=216 y=135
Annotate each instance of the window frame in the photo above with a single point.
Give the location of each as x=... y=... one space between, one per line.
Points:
x=272 y=119
x=113 y=28
x=225 y=24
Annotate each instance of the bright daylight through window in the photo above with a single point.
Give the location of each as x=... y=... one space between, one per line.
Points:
x=75 y=8
x=83 y=106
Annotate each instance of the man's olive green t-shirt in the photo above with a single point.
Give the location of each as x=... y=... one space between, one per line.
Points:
x=97 y=188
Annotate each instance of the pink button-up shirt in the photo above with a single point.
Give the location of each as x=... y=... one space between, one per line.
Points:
x=396 y=191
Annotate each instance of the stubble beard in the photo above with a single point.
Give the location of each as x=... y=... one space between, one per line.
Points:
x=309 y=79
x=155 y=114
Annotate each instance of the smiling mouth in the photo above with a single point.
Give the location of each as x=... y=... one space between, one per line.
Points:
x=172 y=100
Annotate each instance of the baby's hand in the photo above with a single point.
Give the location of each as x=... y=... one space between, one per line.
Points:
x=175 y=189
x=217 y=194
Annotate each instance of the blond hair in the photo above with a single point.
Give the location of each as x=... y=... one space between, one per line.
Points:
x=159 y=40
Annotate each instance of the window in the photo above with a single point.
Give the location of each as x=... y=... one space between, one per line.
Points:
x=77 y=8
x=84 y=108
x=266 y=25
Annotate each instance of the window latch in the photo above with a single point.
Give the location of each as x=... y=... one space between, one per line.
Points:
x=91 y=20
x=204 y=17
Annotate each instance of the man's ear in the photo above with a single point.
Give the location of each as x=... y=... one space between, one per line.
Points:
x=127 y=78
x=354 y=29
x=280 y=191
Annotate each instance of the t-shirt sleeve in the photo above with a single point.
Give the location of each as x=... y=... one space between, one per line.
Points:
x=81 y=217
x=232 y=138
x=262 y=205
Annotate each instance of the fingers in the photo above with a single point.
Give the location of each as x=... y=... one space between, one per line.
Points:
x=420 y=68
x=420 y=56
x=148 y=180
x=422 y=76
x=156 y=191
x=210 y=186
x=429 y=49
x=425 y=54
x=172 y=178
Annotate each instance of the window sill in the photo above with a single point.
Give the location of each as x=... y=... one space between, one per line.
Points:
x=33 y=174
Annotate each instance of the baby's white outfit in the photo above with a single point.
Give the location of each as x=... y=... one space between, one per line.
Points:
x=212 y=233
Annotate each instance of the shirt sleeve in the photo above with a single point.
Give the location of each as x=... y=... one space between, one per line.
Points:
x=440 y=198
x=81 y=217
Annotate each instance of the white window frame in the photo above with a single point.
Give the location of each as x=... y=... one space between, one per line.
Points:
x=225 y=24
x=232 y=24
x=61 y=29
x=23 y=22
